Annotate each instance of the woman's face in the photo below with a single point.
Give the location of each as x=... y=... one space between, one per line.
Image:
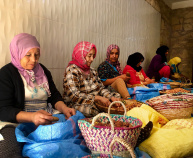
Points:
x=90 y=57
x=166 y=53
x=31 y=58
x=139 y=64
x=114 y=55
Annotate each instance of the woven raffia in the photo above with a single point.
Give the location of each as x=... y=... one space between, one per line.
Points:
x=173 y=106
x=186 y=84
x=98 y=139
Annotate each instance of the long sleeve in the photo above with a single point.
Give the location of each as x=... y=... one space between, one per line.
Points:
x=134 y=79
x=145 y=76
x=11 y=93
x=158 y=64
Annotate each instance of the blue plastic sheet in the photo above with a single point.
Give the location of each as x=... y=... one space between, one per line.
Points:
x=163 y=79
x=60 y=140
x=142 y=94
x=159 y=86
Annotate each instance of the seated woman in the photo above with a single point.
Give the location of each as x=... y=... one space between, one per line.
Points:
x=110 y=72
x=137 y=74
x=82 y=86
x=174 y=63
x=26 y=88
x=159 y=67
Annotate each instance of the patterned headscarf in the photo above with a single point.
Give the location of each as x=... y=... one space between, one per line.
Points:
x=175 y=61
x=19 y=47
x=79 y=55
x=117 y=64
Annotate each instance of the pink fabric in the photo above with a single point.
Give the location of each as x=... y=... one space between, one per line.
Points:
x=134 y=77
x=79 y=55
x=19 y=47
x=165 y=72
x=117 y=64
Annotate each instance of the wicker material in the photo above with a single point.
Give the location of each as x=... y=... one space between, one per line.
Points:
x=173 y=84
x=98 y=139
x=186 y=84
x=129 y=104
x=130 y=153
x=173 y=106
x=125 y=144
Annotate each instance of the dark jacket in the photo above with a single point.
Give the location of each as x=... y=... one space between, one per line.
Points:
x=12 y=93
x=154 y=67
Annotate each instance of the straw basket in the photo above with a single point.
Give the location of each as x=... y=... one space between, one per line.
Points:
x=173 y=84
x=186 y=84
x=129 y=104
x=173 y=106
x=98 y=139
x=119 y=140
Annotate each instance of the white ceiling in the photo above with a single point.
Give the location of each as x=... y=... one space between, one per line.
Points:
x=176 y=4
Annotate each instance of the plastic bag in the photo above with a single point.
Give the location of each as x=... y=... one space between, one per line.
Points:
x=62 y=139
x=163 y=79
x=142 y=94
x=159 y=86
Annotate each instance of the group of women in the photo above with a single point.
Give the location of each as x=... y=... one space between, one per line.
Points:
x=27 y=87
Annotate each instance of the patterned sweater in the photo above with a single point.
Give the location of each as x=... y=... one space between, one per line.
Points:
x=80 y=91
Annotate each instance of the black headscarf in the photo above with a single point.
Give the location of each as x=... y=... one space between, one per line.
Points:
x=134 y=59
x=161 y=51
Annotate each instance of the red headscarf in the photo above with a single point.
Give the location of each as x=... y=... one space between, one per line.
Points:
x=79 y=55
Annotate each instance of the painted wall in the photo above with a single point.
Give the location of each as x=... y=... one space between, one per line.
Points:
x=60 y=24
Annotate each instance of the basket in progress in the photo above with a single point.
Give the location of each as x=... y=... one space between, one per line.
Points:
x=173 y=106
x=98 y=139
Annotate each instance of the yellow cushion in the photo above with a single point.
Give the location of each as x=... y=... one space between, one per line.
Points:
x=174 y=140
x=145 y=113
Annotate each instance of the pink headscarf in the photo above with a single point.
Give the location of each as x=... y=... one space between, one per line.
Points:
x=117 y=64
x=19 y=47
x=79 y=55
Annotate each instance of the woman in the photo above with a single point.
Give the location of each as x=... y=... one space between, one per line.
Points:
x=159 y=67
x=174 y=63
x=82 y=86
x=137 y=73
x=110 y=72
x=26 y=88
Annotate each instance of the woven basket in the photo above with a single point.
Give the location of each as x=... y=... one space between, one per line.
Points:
x=119 y=140
x=173 y=84
x=186 y=84
x=173 y=106
x=98 y=139
x=129 y=104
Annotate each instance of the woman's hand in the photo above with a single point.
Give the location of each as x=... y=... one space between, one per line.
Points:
x=68 y=112
x=41 y=117
x=102 y=100
x=125 y=77
x=116 y=99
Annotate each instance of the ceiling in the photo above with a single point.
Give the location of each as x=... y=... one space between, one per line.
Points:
x=176 y=4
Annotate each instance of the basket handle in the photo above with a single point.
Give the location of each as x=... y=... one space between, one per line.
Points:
x=103 y=114
x=109 y=109
x=124 y=143
x=188 y=81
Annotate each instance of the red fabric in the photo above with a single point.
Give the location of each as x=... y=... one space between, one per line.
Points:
x=134 y=77
x=165 y=72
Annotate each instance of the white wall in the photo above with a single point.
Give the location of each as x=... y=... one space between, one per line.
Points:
x=60 y=24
